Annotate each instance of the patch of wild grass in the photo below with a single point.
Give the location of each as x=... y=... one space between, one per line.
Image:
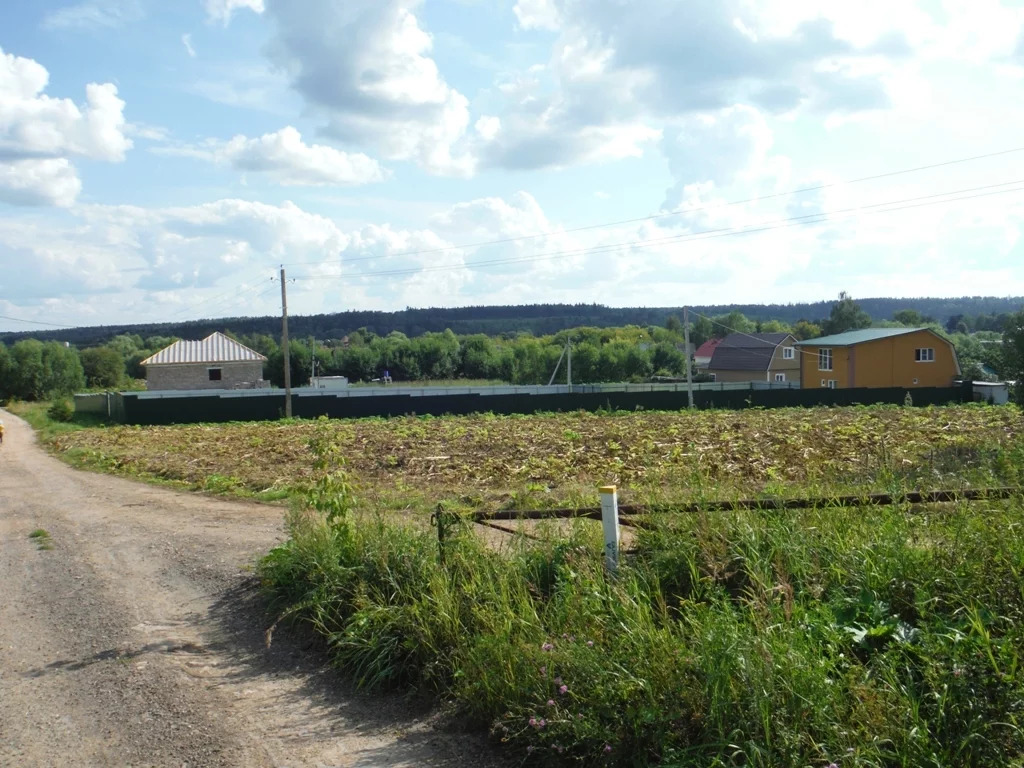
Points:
x=873 y=637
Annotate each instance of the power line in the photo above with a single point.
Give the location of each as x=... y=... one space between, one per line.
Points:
x=35 y=322
x=811 y=218
x=676 y=212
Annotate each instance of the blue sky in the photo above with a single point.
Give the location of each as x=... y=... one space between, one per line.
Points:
x=159 y=160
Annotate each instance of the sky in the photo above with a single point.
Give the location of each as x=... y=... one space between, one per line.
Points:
x=160 y=161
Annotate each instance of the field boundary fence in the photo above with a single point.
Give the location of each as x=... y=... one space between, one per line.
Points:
x=185 y=407
x=613 y=515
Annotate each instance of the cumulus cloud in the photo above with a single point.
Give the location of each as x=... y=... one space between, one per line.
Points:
x=284 y=157
x=622 y=73
x=39 y=133
x=39 y=182
x=222 y=10
x=365 y=68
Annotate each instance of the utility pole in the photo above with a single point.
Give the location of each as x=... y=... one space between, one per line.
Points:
x=689 y=359
x=284 y=349
x=568 y=370
x=312 y=361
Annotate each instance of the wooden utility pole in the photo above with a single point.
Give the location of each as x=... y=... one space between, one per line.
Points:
x=689 y=358
x=568 y=374
x=284 y=349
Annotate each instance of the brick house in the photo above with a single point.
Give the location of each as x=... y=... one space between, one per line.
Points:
x=755 y=357
x=216 y=362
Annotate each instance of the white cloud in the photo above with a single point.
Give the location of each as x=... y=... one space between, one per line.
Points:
x=365 y=68
x=537 y=14
x=36 y=130
x=94 y=14
x=222 y=10
x=286 y=159
x=186 y=40
x=39 y=182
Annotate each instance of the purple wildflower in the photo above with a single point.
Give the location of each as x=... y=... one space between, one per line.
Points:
x=547 y=647
x=551 y=702
x=590 y=643
x=563 y=690
x=579 y=715
x=558 y=681
x=541 y=723
x=607 y=748
x=530 y=749
x=572 y=638
x=533 y=721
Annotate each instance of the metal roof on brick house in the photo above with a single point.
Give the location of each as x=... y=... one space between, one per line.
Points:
x=746 y=351
x=215 y=348
x=849 y=338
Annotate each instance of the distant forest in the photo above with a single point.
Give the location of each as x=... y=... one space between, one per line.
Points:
x=537 y=319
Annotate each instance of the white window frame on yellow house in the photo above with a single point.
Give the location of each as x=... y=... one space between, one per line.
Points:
x=825 y=357
x=924 y=355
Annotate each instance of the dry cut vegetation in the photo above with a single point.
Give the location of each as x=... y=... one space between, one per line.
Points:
x=487 y=462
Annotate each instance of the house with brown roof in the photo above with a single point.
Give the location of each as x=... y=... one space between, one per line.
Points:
x=756 y=357
x=216 y=362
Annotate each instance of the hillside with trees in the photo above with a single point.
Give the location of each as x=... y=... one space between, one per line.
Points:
x=538 y=319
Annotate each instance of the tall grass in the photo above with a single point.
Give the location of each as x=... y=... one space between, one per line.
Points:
x=856 y=637
x=861 y=637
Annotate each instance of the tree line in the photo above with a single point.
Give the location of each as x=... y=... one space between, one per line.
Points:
x=32 y=369
x=536 y=319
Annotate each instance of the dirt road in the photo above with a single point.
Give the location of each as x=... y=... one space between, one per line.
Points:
x=137 y=638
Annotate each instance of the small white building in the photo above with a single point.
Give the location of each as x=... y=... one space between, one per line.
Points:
x=994 y=392
x=329 y=382
x=216 y=362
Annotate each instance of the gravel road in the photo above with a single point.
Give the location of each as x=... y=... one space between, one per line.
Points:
x=136 y=638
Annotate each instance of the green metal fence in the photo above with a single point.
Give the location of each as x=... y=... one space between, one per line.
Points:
x=136 y=408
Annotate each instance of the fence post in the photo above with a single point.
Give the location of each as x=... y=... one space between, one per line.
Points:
x=610 y=524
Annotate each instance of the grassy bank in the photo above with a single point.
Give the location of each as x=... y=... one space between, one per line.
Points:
x=859 y=637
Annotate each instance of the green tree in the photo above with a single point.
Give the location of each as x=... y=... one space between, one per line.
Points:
x=846 y=315
x=909 y=317
x=438 y=355
x=734 y=322
x=674 y=324
x=667 y=360
x=479 y=357
x=774 y=326
x=701 y=330
x=1013 y=352
x=804 y=330
x=6 y=374
x=103 y=367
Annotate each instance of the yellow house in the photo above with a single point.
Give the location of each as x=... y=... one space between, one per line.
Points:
x=878 y=357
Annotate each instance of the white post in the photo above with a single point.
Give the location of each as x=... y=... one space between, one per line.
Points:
x=610 y=523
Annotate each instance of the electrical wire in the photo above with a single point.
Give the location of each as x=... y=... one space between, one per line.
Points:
x=811 y=218
x=676 y=212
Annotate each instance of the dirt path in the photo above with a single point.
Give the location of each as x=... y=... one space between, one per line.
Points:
x=137 y=640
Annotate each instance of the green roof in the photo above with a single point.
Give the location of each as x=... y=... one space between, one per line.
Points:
x=858 y=337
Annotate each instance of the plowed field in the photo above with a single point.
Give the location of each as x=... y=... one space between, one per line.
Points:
x=546 y=460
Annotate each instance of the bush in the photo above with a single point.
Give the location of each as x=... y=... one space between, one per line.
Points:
x=61 y=410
